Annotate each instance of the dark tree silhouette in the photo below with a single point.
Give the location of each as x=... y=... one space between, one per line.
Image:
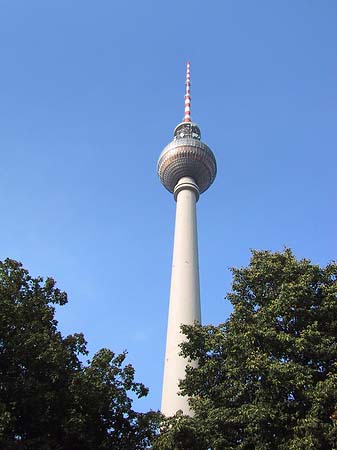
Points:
x=267 y=378
x=49 y=399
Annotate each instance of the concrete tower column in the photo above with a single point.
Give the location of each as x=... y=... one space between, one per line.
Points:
x=187 y=168
x=184 y=294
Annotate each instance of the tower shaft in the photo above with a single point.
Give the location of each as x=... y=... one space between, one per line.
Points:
x=187 y=168
x=184 y=294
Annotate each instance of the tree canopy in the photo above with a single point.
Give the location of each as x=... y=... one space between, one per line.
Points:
x=267 y=377
x=49 y=399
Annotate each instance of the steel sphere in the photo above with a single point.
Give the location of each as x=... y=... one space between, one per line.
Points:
x=187 y=156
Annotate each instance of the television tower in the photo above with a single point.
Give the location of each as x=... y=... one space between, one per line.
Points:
x=186 y=167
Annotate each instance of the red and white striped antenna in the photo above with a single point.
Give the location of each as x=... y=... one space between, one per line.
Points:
x=187 y=117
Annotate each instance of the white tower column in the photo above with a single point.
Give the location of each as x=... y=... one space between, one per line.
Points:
x=187 y=168
x=184 y=305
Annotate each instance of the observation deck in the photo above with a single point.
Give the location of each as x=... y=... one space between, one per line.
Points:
x=187 y=156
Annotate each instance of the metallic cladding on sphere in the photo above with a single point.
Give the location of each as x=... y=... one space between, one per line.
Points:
x=187 y=156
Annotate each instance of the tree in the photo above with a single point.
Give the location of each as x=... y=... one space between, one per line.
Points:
x=49 y=399
x=267 y=378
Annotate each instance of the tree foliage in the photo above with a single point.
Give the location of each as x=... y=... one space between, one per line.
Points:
x=267 y=378
x=49 y=399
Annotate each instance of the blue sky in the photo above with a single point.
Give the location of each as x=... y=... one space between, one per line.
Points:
x=91 y=93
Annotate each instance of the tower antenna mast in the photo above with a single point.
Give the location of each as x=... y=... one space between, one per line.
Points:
x=187 y=117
